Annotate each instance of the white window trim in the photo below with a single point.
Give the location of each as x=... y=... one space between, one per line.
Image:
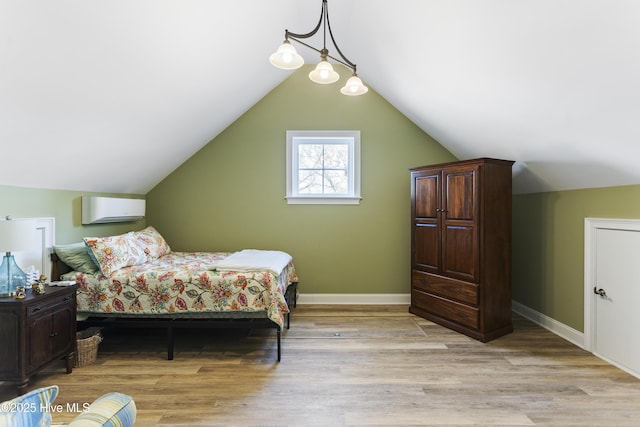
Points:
x=296 y=199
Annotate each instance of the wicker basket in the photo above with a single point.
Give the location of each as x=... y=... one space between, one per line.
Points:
x=87 y=347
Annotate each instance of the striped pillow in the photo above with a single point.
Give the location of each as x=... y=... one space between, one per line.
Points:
x=110 y=410
x=30 y=409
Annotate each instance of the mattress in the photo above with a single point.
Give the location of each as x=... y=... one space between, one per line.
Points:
x=184 y=284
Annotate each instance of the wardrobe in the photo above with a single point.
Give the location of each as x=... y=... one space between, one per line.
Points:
x=461 y=246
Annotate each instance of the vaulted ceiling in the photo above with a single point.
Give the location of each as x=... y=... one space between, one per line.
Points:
x=144 y=84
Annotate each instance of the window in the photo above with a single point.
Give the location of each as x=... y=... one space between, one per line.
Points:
x=323 y=167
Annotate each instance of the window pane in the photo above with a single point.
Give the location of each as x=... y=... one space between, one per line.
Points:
x=310 y=156
x=336 y=156
x=336 y=182
x=310 y=182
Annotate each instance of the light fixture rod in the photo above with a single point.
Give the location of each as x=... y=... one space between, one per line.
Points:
x=324 y=16
x=288 y=33
x=326 y=12
x=346 y=64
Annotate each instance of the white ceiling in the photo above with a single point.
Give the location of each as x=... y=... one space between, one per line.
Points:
x=143 y=84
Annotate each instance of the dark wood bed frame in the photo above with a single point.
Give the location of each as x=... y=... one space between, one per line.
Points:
x=172 y=322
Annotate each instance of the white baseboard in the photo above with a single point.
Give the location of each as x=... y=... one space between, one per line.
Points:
x=552 y=325
x=355 y=299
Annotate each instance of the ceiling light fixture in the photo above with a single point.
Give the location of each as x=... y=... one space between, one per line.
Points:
x=287 y=58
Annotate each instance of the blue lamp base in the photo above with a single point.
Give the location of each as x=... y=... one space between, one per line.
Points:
x=11 y=276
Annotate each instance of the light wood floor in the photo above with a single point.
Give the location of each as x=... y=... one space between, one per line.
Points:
x=353 y=366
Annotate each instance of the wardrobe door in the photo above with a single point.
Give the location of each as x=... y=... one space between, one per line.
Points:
x=460 y=254
x=426 y=248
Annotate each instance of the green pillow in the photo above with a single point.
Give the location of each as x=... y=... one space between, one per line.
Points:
x=77 y=257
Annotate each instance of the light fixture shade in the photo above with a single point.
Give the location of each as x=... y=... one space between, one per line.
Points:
x=286 y=57
x=324 y=74
x=16 y=235
x=354 y=87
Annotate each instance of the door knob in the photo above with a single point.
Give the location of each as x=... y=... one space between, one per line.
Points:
x=600 y=292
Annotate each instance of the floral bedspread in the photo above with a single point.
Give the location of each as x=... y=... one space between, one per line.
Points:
x=180 y=283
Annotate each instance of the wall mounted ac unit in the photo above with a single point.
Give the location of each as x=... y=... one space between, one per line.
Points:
x=98 y=210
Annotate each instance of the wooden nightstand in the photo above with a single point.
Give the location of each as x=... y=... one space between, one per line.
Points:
x=35 y=331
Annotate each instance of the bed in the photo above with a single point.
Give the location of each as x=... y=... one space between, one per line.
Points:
x=135 y=280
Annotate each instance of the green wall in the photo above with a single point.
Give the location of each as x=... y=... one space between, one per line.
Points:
x=230 y=195
x=64 y=206
x=548 y=246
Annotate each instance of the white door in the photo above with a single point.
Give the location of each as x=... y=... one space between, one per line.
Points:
x=616 y=295
x=39 y=254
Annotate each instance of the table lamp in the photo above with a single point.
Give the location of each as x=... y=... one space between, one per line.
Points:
x=15 y=235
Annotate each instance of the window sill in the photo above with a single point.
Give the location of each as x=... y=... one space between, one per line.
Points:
x=323 y=200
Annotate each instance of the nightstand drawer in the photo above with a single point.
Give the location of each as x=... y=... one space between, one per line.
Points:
x=49 y=303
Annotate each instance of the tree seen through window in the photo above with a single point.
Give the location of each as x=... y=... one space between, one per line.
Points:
x=323 y=168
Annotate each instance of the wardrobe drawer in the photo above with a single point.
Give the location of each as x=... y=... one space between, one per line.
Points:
x=449 y=288
x=451 y=310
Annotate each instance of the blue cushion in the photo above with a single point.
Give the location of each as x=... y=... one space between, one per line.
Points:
x=30 y=409
x=109 y=410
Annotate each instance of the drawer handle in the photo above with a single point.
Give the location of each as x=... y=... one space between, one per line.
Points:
x=463 y=315
x=53 y=334
x=37 y=309
x=67 y=298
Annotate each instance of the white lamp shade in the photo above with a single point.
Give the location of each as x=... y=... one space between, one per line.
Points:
x=17 y=235
x=286 y=57
x=354 y=87
x=324 y=74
